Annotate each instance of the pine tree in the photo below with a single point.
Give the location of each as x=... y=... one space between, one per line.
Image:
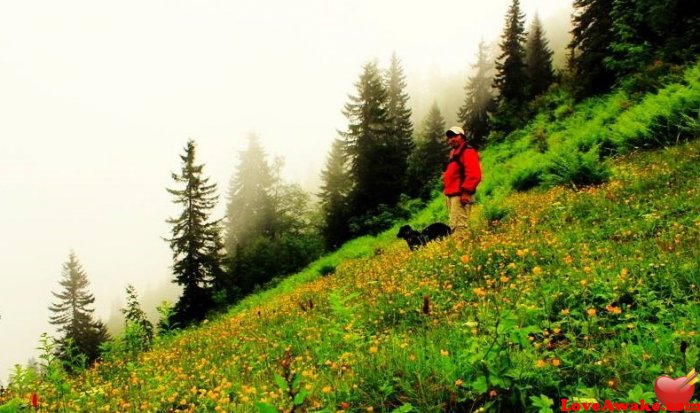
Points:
x=430 y=154
x=399 y=117
x=479 y=101
x=649 y=31
x=538 y=59
x=375 y=181
x=135 y=316
x=74 y=316
x=592 y=36
x=196 y=241
x=334 y=197
x=511 y=77
x=249 y=212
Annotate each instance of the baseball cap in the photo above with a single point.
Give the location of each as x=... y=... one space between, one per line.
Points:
x=455 y=130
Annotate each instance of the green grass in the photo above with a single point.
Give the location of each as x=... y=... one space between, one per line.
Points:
x=561 y=292
x=584 y=294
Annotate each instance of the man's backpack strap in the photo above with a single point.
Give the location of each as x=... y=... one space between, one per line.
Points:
x=458 y=158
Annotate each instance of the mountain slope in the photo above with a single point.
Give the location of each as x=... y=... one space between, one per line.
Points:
x=577 y=293
x=581 y=290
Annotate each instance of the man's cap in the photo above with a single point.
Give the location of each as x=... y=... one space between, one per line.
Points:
x=455 y=130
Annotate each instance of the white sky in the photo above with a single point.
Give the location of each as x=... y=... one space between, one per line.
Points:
x=97 y=100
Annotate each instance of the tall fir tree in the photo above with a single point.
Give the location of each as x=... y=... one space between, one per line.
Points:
x=511 y=77
x=334 y=197
x=268 y=225
x=430 y=154
x=399 y=117
x=540 y=71
x=196 y=242
x=591 y=37
x=652 y=32
x=249 y=212
x=377 y=179
x=479 y=102
x=73 y=314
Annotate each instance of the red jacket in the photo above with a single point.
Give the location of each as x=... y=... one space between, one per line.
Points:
x=464 y=177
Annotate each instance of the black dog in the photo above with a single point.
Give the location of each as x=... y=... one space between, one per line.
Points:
x=415 y=239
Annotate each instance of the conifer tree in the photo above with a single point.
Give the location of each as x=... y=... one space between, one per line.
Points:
x=377 y=180
x=430 y=154
x=479 y=102
x=290 y=205
x=399 y=117
x=196 y=241
x=511 y=77
x=134 y=315
x=334 y=197
x=268 y=225
x=592 y=36
x=648 y=32
x=538 y=59
x=73 y=314
x=249 y=213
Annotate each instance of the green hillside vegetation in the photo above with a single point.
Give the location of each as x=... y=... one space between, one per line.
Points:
x=583 y=286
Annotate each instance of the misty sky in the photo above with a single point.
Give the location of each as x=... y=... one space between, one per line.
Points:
x=97 y=101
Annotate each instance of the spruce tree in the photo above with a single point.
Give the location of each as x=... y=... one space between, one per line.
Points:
x=652 y=32
x=511 y=77
x=399 y=118
x=196 y=241
x=479 y=102
x=73 y=315
x=592 y=36
x=377 y=178
x=334 y=197
x=135 y=316
x=427 y=161
x=249 y=213
x=538 y=59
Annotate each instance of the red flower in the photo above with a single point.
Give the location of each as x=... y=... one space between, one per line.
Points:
x=34 y=400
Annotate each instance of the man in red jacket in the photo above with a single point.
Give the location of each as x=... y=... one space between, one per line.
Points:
x=462 y=176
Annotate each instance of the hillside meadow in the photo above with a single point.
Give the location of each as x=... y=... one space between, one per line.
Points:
x=579 y=280
x=585 y=294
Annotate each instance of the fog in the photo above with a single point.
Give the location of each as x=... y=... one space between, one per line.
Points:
x=98 y=99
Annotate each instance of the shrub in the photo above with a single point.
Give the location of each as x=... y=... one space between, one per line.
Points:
x=663 y=118
x=571 y=167
x=496 y=207
x=327 y=270
x=528 y=171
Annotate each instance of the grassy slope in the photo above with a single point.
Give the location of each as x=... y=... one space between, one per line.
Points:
x=576 y=293
x=583 y=293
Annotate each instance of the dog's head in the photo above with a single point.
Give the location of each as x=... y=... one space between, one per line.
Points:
x=405 y=232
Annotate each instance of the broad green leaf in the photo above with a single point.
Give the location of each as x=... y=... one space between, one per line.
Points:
x=299 y=398
x=281 y=383
x=543 y=403
x=480 y=385
x=406 y=408
x=266 y=408
x=296 y=381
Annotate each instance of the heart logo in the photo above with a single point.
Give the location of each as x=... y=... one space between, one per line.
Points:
x=675 y=392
